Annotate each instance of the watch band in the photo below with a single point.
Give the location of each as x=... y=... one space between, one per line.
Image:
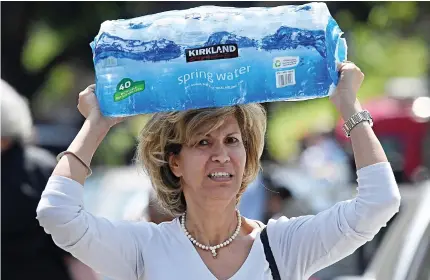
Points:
x=355 y=119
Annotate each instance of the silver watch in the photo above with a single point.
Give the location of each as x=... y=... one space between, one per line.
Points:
x=362 y=116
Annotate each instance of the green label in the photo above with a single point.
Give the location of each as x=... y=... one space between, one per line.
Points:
x=126 y=88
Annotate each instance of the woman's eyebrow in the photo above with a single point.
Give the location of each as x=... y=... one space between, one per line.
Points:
x=232 y=133
x=200 y=134
x=228 y=134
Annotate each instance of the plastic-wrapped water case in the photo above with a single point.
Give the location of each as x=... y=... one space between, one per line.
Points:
x=216 y=56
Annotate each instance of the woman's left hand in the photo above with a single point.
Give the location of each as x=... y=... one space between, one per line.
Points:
x=345 y=96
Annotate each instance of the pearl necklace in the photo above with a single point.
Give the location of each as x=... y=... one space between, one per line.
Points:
x=216 y=247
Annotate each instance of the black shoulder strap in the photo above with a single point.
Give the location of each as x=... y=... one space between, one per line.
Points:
x=269 y=255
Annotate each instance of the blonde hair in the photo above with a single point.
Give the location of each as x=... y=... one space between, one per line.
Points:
x=165 y=133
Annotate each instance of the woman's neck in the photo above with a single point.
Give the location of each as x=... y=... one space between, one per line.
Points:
x=211 y=226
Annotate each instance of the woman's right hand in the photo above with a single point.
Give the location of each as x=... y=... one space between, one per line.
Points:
x=74 y=165
x=88 y=106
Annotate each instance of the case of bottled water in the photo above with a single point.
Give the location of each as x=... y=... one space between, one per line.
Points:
x=216 y=56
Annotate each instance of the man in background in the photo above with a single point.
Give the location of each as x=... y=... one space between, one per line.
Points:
x=27 y=252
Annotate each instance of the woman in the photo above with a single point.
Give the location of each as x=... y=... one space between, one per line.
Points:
x=200 y=162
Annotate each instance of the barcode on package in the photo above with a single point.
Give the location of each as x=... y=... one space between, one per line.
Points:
x=285 y=78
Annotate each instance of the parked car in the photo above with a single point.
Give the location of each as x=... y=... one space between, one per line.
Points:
x=404 y=252
x=403 y=128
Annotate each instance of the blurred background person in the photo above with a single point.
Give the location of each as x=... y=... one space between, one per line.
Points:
x=27 y=252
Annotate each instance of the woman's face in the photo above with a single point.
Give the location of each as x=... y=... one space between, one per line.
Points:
x=212 y=167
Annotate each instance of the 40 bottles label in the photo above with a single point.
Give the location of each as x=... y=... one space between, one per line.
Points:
x=126 y=88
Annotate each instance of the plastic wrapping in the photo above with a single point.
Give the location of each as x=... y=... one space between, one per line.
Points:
x=216 y=56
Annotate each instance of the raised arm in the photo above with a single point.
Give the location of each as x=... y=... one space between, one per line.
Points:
x=88 y=139
x=307 y=244
x=109 y=248
x=365 y=144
